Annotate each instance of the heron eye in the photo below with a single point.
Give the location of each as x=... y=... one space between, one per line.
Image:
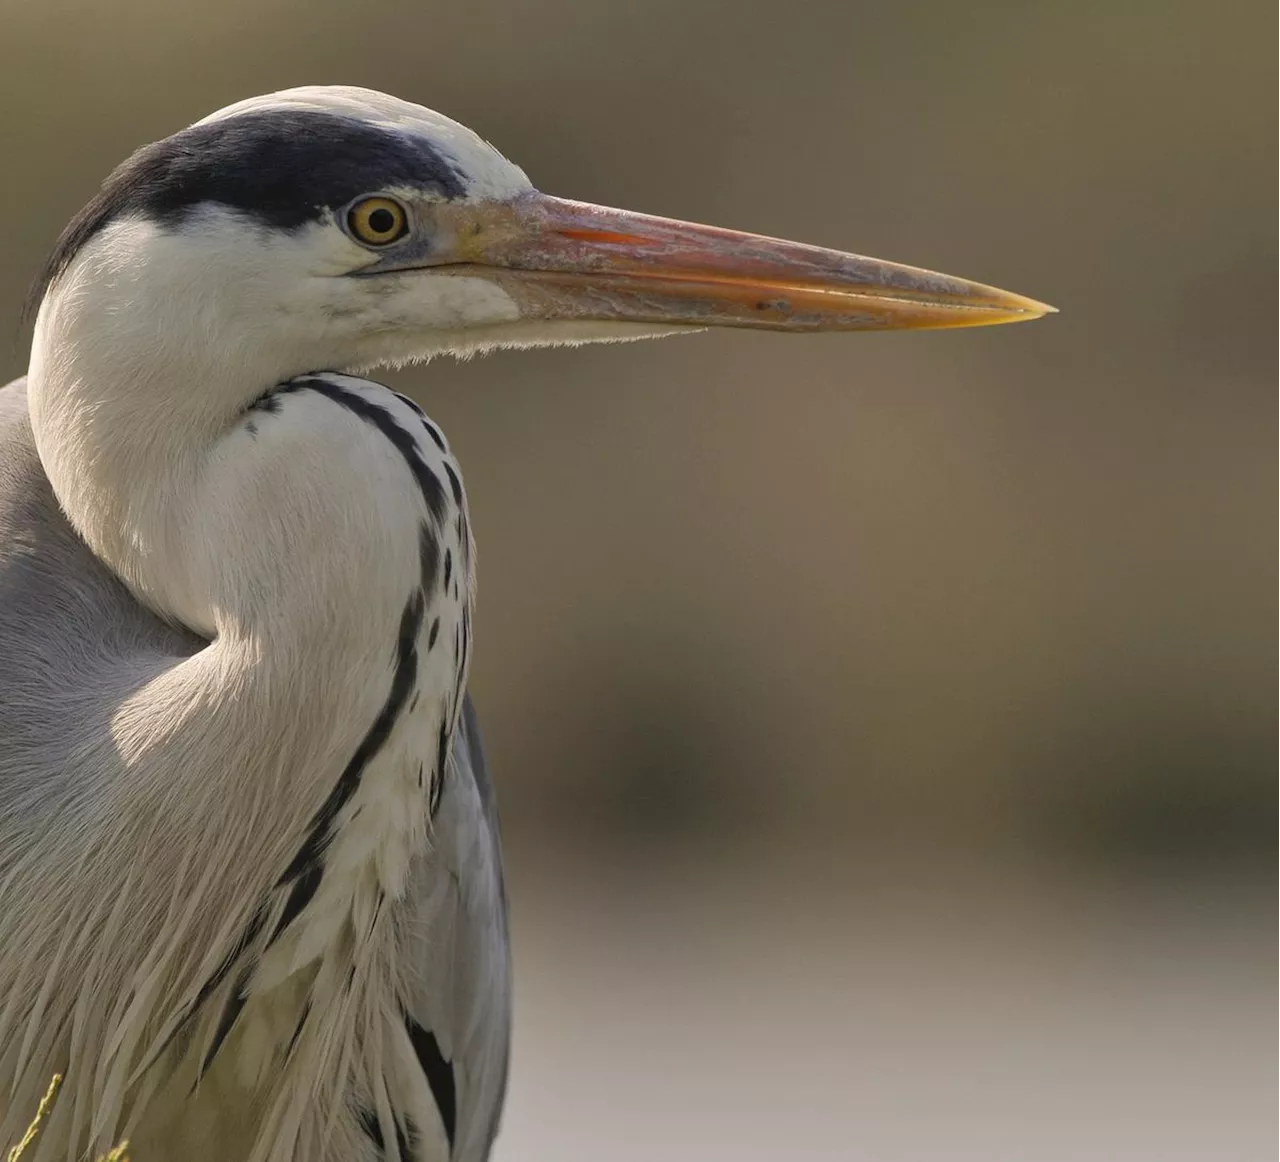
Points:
x=377 y=221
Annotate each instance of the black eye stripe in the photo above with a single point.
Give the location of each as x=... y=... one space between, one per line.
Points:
x=284 y=167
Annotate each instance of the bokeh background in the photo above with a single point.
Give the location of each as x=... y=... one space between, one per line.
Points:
x=884 y=725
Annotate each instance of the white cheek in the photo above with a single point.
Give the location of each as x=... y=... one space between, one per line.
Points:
x=409 y=318
x=445 y=302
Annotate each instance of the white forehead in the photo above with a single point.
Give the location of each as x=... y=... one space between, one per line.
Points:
x=488 y=173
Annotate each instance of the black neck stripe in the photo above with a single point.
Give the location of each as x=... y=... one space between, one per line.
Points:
x=406 y=674
x=432 y=490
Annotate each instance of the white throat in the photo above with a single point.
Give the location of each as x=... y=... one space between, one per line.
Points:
x=133 y=385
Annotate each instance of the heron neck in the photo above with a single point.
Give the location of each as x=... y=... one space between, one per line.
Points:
x=126 y=421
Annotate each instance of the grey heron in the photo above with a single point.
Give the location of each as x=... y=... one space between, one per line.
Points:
x=251 y=897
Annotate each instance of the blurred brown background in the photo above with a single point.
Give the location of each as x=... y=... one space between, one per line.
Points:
x=884 y=725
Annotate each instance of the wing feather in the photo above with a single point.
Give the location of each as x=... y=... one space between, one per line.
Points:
x=458 y=991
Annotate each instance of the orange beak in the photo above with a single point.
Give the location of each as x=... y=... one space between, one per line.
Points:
x=570 y=260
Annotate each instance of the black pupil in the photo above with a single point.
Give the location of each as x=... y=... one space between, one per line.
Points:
x=382 y=221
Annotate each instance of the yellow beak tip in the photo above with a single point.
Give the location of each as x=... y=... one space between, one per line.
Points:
x=1037 y=310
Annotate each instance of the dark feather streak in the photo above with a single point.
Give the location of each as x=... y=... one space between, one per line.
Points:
x=439 y=1074
x=297 y=1030
x=428 y=556
x=372 y=1127
x=455 y=484
x=230 y=1011
x=437 y=776
x=402 y=681
x=304 y=887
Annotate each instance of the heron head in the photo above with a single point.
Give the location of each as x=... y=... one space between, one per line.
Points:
x=339 y=227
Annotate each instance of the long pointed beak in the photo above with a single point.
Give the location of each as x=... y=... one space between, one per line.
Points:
x=571 y=260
